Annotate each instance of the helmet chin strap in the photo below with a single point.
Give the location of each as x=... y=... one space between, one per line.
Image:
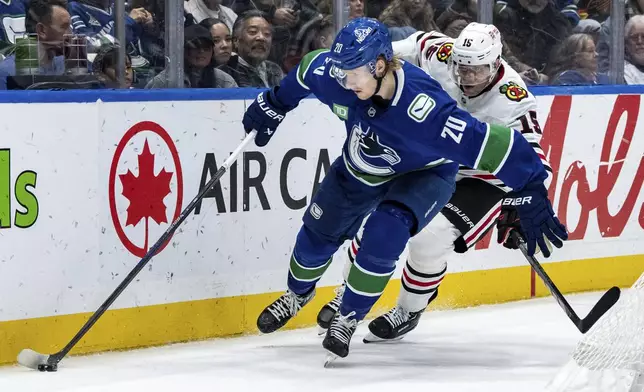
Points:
x=379 y=83
x=379 y=79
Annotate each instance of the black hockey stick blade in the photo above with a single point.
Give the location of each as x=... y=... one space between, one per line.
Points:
x=602 y=306
x=49 y=363
x=583 y=325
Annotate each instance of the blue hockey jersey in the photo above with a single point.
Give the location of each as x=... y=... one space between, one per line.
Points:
x=12 y=20
x=422 y=127
x=98 y=24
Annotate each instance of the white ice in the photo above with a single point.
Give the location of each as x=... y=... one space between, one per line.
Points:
x=514 y=347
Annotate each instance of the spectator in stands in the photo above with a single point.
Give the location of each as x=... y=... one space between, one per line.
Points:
x=49 y=21
x=597 y=10
x=633 y=7
x=204 y=9
x=456 y=16
x=252 y=38
x=287 y=18
x=574 y=62
x=222 y=39
x=316 y=34
x=634 y=50
x=95 y=19
x=531 y=29
x=356 y=9
x=199 y=70
x=104 y=67
x=375 y=7
x=12 y=21
x=418 y=14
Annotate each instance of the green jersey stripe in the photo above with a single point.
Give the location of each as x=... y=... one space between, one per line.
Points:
x=495 y=148
x=305 y=63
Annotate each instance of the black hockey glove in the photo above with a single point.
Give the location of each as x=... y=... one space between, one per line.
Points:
x=264 y=115
x=508 y=223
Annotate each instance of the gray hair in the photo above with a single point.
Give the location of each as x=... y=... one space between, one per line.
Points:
x=636 y=19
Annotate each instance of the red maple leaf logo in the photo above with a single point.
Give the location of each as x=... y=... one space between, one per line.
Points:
x=146 y=192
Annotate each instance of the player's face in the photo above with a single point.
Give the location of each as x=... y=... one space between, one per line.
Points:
x=472 y=78
x=359 y=80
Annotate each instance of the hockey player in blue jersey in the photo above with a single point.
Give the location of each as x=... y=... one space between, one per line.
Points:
x=405 y=138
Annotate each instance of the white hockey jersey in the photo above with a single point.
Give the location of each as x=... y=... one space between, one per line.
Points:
x=506 y=101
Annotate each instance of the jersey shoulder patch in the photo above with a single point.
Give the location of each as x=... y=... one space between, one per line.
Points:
x=444 y=52
x=513 y=91
x=436 y=44
x=420 y=107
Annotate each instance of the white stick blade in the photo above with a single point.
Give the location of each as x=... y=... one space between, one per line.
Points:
x=31 y=359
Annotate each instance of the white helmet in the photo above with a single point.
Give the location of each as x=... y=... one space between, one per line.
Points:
x=477 y=45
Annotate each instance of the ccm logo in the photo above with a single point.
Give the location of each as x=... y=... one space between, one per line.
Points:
x=267 y=109
x=517 y=201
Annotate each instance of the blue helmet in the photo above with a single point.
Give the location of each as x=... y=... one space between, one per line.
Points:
x=360 y=43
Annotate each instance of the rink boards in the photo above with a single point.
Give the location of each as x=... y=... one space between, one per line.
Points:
x=90 y=180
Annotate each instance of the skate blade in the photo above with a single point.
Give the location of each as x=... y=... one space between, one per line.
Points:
x=321 y=331
x=330 y=358
x=371 y=338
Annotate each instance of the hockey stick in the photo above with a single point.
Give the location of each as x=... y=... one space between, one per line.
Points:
x=43 y=362
x=602 y=306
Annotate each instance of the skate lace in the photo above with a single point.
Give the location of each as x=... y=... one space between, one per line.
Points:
x=342 y=327
x=335 y=302
x=285 y=306
x=397 y=316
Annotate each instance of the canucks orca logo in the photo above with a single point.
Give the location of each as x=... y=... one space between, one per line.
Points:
x=365 y=150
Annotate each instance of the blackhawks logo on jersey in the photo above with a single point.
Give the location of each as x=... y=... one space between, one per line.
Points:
x=444 y=52
x=513 y=91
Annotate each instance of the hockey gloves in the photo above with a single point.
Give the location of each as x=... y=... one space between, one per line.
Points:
x=264 y=115
x=508 y=223
x=537 y=218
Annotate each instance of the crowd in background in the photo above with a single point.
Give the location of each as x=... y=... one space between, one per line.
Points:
x=253 y=43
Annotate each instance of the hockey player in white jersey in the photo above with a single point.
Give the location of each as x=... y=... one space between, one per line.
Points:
x=471 y=70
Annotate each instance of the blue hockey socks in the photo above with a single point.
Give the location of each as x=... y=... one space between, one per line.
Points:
x=385 y=235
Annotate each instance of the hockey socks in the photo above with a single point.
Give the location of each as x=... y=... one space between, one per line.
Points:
x=385 y=235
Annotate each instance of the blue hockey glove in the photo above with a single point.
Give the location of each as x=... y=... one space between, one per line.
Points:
x=264 y=115
x=537 y=218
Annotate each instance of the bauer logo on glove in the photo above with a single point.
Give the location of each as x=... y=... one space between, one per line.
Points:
x=267 y=109
x=517 y=201
x=264 y=115
x=539 y=224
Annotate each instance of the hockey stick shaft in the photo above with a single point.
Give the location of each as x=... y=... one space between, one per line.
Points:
x=57 y=357
x=554 y=290
x=583 y=325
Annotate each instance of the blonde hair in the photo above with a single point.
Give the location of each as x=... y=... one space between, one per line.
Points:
x=394 y=64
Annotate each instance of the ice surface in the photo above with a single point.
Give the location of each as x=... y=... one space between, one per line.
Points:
x=515 y=347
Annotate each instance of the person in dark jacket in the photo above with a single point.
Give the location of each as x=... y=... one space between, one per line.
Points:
x=250 y=67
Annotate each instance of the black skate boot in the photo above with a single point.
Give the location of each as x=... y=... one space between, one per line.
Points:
x=392 y=326
x=339 y=336
x=277 y=314
x=325 y=315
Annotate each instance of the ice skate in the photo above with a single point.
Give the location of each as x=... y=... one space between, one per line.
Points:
x=328 y=311
x=392 y=326
x=277 y=314
x=338 y=337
